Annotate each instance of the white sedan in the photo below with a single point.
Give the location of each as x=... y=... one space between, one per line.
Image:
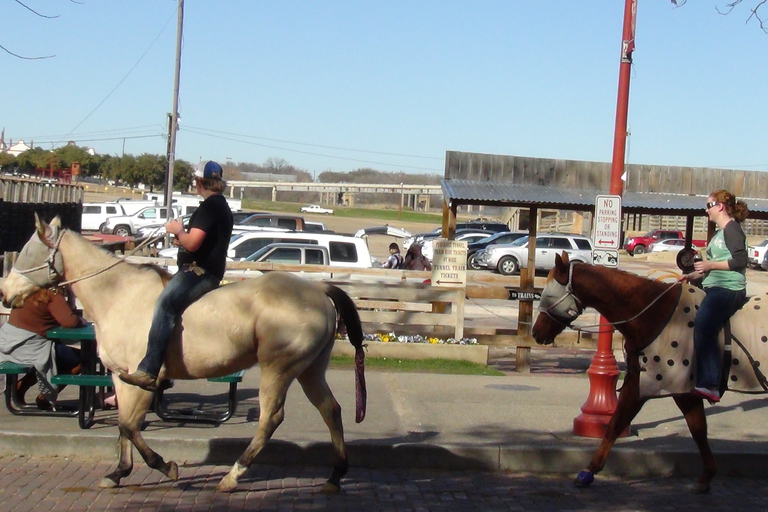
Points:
x=668 y=245
x=314 y=208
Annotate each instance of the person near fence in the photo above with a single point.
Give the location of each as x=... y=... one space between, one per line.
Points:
x=724 y=281
x=23 y=341
x=395 y=259
x=202 y=260
x=415 y=260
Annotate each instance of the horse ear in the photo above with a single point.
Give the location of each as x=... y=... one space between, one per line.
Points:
x=47 y=232
x=561 y=260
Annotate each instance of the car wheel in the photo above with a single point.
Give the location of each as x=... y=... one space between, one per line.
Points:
x=508 y=266
x=640 y=249
x=101 y=227
x=122 y=231
x=472 y=262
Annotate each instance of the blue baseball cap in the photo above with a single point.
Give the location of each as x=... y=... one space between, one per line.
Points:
x=209 y=170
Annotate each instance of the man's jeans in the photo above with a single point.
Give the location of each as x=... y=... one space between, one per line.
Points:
x=717 y=306
x=182 y=290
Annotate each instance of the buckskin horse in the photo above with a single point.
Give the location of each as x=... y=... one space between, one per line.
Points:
x=282 y=322
x=656 y=319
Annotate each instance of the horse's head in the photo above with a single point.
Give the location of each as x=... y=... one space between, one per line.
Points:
x=39 y=264
x=558 y=306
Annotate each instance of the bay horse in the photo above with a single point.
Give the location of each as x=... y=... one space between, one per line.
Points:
x=284 y=323
x=656 y=319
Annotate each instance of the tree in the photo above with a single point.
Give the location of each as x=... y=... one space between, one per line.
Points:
x=754 y=11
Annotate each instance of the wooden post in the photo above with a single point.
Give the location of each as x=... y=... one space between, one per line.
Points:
x=523 y=359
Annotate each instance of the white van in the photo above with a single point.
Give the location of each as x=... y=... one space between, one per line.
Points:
x=96 y=214
x=188 y=203
x=344 y=251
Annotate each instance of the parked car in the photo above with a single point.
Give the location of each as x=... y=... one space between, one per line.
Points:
x=478 y=226
x=127 y=225
x=271 y=220
x=668 y=245
x=344 y=251
x=96 y=214
x=314 y=208
x=507 y=259
x=284 y=253
x=757 y=254
x=467 y=235
x=503 y=237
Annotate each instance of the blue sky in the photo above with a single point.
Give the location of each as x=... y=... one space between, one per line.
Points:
x=390 y=85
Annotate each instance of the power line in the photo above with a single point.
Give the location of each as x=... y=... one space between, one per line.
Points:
x=370 y=162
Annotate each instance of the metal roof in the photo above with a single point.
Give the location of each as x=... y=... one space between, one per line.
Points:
x=462 y=192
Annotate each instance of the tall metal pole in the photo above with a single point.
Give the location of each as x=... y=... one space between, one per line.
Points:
x=174 y=124
x=604 y=372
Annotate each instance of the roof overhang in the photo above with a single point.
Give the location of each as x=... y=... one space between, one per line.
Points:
x=466 y=192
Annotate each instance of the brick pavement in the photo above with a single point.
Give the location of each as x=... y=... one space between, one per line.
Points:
x=70 y=484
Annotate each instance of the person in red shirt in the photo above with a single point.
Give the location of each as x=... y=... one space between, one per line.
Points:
x=23 y=341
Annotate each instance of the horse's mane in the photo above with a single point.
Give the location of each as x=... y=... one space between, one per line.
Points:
x=164 y=275
x=623 y=278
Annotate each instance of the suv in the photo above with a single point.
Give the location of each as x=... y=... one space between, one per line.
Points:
x=507 y=259
x=96 y=214
x=127 y=225
x=286 y=254
x=503 y=237
x=257 y=221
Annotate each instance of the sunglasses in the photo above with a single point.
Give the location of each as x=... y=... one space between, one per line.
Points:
x=711 y=204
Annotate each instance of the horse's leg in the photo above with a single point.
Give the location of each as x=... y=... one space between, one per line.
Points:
x=133 y=405
x=272 y=390
x=316 y=388
x=628 y=406
x=692 y=408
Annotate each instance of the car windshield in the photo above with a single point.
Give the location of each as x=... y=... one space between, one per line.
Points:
x=255 y=256
x=520 y=242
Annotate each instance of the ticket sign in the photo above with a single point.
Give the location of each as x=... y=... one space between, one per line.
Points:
x=607 y=233
x=449 y=263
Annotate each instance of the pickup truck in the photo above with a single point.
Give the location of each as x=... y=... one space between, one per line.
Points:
x=756 y=254
x=639 y=244
x=127 y=225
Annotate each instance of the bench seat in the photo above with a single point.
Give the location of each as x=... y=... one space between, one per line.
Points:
x=83 y=380
x=187 y=415
x=9 y=368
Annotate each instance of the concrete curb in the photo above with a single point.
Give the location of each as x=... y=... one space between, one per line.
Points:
x=533 y=459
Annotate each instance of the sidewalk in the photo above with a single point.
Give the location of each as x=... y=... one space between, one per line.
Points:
x=519 y=423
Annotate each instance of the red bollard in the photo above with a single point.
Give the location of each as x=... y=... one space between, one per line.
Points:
x=601 y=403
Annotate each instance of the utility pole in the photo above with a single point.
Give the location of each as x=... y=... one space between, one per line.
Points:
x=174 y=124
x=603 y=372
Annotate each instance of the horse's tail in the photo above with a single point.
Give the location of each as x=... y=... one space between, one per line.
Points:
x=346 y=308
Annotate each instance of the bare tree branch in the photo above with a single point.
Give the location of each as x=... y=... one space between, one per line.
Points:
x=754 y=11
x=23 y=57
x=34 y=11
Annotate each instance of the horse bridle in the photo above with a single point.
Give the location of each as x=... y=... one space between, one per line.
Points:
x=565 y=309
x=53 y=267
x=568 y=307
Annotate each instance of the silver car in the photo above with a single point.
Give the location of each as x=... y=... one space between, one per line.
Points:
x=507 y=259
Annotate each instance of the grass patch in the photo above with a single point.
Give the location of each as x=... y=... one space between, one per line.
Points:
x=356 y=213
x=448 y=366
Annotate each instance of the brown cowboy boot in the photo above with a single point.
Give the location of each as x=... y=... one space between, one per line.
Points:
x=23 y=385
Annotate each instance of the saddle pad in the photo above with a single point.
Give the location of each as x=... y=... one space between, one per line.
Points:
x=668 y=365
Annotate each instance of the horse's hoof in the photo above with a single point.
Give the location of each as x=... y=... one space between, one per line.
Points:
x=584 y=479
x=107 y=483
x=172 y=471
x=330 y=488
x=227 y=484
x=700 y=488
